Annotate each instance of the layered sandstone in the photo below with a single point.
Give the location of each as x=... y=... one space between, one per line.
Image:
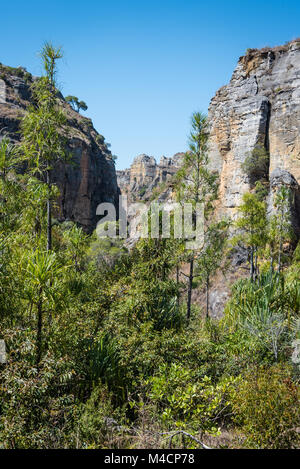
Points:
x=90 y=178
x=146 y=176
x=260 y=107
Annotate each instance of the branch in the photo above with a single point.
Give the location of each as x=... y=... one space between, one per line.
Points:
x=181 y=432
x=182 y=273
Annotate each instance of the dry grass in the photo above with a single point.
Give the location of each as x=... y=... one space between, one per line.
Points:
x=254 y=57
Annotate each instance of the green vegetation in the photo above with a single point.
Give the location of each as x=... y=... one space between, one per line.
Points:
x=256 y=164
x=106 y=347
x=19 y=72
x=251 y=226
x=42 y=141
x=142 y=191
x=196 y=185
x=76 y=104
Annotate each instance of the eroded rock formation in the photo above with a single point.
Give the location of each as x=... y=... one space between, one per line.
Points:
x=90 y=178
x=260 y=107
x=146 y=175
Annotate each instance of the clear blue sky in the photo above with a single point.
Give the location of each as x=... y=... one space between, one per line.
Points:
x=144 y=66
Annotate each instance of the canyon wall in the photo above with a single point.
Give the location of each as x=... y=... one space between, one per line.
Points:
x=260 y=107
x=90 y=178
x=146 y=176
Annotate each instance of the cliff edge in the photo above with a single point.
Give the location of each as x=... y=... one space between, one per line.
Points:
x=90 y=178
x=260 y=107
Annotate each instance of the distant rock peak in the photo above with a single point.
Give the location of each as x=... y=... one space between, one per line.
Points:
x=145 y=176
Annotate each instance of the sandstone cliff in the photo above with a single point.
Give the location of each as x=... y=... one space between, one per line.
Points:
x=146 y=177
x=259 y=107
x=91 y=178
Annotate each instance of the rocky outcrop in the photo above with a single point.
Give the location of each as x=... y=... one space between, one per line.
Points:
x=90 y=178
x=260 y=107
x=145 y=176
x=279 y=178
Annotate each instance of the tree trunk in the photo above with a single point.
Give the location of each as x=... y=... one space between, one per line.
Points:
x=251 y=264
x=207 y=298
x=190 y=289
x=256 y=267
x=39 y=331
x=279 y=257
x=49 y=216
x=177 y=283
x=272 y=264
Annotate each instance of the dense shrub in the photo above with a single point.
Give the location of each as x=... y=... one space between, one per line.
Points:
x=256 y=164
x=266 y=405
x=184 y=401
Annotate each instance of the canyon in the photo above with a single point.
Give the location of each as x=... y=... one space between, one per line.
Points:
x=145 y=177
x=260 y=107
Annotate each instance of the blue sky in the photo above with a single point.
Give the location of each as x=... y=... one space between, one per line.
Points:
x=144 y=66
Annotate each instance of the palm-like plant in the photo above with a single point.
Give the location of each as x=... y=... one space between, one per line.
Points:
x=42 y=271
x=77 y=242
x=263 y=311
x=44 y=127
x=7 y=156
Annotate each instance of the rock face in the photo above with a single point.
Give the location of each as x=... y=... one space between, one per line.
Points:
x=260 y=107
x=279 y=178
x=145 y=176
x=90 y=178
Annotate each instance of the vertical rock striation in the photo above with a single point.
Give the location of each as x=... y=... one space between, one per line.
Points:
x=259 y=107
x=90 y=178
x=146 y=175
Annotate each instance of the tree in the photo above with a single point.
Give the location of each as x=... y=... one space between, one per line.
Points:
x=76 y=241
x=280 y=226
x=256 y=164
x=196 y=183
x=82 y=106
x=76 y=104
x=43 y=272
x=7 y=156
x=252 y=226
x=43 y=128
x=211 y=256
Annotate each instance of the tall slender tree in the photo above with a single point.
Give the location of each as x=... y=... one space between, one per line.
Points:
x=196 y=184
x=44 y=127
x=211 y=256
x=280 y=226
x=251 y=227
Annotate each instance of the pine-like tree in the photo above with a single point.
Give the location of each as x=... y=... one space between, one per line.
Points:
x=196 y=184
x=251 y=225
